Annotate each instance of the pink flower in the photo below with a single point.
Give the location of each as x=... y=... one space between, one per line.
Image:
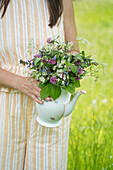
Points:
x=78 y=78
x=80 y=71
x=44 y=60
x=37 y=55
x=52 y=61
x=49 y=40
x=53 y=80
x=78 y=62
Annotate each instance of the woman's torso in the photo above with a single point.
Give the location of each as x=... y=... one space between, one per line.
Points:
x=24 y=20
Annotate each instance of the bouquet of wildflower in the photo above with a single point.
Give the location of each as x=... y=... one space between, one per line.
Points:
x=55 y=67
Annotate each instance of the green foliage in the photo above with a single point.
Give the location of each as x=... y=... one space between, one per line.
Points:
x=91 y=131
x=50 y=90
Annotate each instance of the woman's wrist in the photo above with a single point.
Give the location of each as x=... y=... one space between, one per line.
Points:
x=8 y=79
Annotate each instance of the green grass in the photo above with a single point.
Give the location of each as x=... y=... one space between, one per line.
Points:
x=91 y=131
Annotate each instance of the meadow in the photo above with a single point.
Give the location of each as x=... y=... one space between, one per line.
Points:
x=91 y=130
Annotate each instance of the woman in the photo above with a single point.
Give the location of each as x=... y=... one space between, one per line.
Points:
x=25 y=144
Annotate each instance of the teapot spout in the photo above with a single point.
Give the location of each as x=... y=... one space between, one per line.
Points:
x=68 y=107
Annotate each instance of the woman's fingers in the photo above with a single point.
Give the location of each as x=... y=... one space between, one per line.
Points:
x=37 y=99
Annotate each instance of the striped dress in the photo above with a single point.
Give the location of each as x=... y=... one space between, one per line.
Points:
x=24 y=143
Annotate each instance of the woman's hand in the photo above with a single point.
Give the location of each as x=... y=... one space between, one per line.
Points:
x=30 y=89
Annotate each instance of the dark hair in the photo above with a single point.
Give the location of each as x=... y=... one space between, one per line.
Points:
x=55 y=10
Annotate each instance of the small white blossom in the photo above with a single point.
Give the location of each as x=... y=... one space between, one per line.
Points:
x=69 y=59
x=60 y=66
x=63 y=61
x=37 y=76
x=64 y=78
x=58 y=79
x=54 y=67
x=60 y=75
x=63 y=82
x=60 y=70
x=67 y=76
x=42 y=79
x=44 y=73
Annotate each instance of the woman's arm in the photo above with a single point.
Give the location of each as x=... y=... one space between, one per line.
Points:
x=69 y=23
x=8 y=79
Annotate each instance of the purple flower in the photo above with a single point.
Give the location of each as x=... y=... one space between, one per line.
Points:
x=53 y=80
x=37 y=55
x=52 y=61
x=44 y=61
x=78 y=78
x=78 y=62
x=49 y=40
x=80 y=71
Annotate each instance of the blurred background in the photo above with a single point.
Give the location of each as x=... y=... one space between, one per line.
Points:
x=91 y=131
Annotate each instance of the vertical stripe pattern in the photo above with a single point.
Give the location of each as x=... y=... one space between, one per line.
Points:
x=25 y=144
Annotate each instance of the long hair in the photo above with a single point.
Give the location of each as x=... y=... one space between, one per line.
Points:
x=55 y=10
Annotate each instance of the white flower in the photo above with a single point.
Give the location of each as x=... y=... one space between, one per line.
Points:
x=63 y=82
x=60 y=70
x=60 y=75
x=54 y=67
x=42 y=79
x=69 y=59
x=63 y=61
x=64 y=78
x=67 y=76
x=58 y=79
x=37 y=76
x=44 y=73
x=60 y=65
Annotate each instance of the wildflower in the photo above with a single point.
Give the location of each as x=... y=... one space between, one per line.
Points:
x=53 y=80
x=63 y=61
x=66 y=83
x=37 y=55
x=42 y=79
x=39 y=69
x=49 y=40
x=55 y=57
x=78 y=62
x=64 y=78
x=44 y=61
x=58 y=79
x=80 y=71
x=63 y=82
x=77 y=78
x=52 y=61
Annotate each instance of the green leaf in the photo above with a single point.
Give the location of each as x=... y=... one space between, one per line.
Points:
x=77 y=83
x=44 y=93
x=74 y=69
x=71 y=88
x=41 y=85
x=37 y=60
x=72 y=78
x=88 y=57
x=55 y=91
x=40 y=65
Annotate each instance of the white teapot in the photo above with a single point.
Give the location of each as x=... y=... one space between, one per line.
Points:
x=50 y=113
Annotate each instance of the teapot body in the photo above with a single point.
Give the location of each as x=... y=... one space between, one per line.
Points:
x=50 y=113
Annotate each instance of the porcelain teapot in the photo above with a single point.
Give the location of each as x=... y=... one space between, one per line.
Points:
x=50 y=113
